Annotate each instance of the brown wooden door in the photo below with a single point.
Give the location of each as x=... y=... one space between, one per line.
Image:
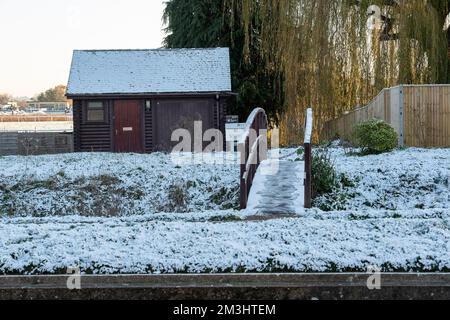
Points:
x=128 y=126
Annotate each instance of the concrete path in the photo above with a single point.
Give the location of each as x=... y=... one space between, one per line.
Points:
x=229 y=286
x=278 y=188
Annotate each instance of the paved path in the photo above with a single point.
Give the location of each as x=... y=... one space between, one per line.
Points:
x=331 y=286
x=278 y=188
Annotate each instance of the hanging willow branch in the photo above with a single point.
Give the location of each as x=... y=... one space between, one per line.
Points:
x=333 y=59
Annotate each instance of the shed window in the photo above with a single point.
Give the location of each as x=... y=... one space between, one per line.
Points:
x=95 y=111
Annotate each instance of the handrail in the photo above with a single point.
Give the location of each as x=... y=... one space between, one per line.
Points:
x=252 y=158
x=308 y=158
x=252 y=155
x=250 y=121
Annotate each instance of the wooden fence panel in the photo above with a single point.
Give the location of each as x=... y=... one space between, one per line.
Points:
x=427 y=116
x=35 y=143
x=419 y=113
x=8 y=143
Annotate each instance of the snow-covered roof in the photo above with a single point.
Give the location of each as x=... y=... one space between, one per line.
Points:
x=96 y=72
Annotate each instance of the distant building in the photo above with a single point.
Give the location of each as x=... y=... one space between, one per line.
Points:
x=10 y=106
x=47 y=107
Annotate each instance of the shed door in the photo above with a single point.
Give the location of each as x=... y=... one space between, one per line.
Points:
x=128 y=126
x=173 y=114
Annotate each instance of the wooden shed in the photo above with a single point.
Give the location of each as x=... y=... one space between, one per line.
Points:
x=132 y=100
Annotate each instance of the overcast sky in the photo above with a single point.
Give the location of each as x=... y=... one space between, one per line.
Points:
x=38 y=36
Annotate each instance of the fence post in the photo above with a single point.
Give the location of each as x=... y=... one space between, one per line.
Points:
x=402 y=117
x=308 y=158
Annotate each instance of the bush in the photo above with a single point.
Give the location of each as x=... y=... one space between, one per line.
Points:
x=177 y=195
x=324 y=176
x=375 y=137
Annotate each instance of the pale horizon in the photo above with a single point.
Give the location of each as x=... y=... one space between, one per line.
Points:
x=41 y=36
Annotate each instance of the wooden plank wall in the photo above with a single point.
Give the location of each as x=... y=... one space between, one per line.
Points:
x=222 y=120
x=148 y=127
x=35 y=143
x=92 y=137
x=77 y=117
x=425 y=121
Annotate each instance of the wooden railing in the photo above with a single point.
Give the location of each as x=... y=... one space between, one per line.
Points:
x=308 y=158
x=253 y=150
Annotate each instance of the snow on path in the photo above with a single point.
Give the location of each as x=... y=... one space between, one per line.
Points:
x=418 y=240
x=278 y=188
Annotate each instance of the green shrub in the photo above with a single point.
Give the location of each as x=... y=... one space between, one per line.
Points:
x=177 y=195
x=324 y=176
x=375 y=137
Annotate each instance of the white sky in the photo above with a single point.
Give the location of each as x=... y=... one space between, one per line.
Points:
x=38 y=36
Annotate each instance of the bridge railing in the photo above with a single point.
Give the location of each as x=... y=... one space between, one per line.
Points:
x=253 y=150
x=308 y=158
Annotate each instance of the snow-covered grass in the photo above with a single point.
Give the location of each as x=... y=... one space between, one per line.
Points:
x=394 y=212
x=400 y=180
x=101 y=184
x=408 y=241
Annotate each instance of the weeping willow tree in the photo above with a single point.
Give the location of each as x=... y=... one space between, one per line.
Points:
x=335 y=55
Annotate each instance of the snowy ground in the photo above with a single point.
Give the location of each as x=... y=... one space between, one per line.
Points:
x=395 y=214
x=410 y=240
x=400 y=180
x=116 y=184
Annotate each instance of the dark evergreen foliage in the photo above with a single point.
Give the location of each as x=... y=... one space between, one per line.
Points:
x=208 y=23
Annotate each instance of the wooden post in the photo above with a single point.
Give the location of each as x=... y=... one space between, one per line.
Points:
x=308 y=158
x=243 y=198
x=308 y=176
x=243 y=184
